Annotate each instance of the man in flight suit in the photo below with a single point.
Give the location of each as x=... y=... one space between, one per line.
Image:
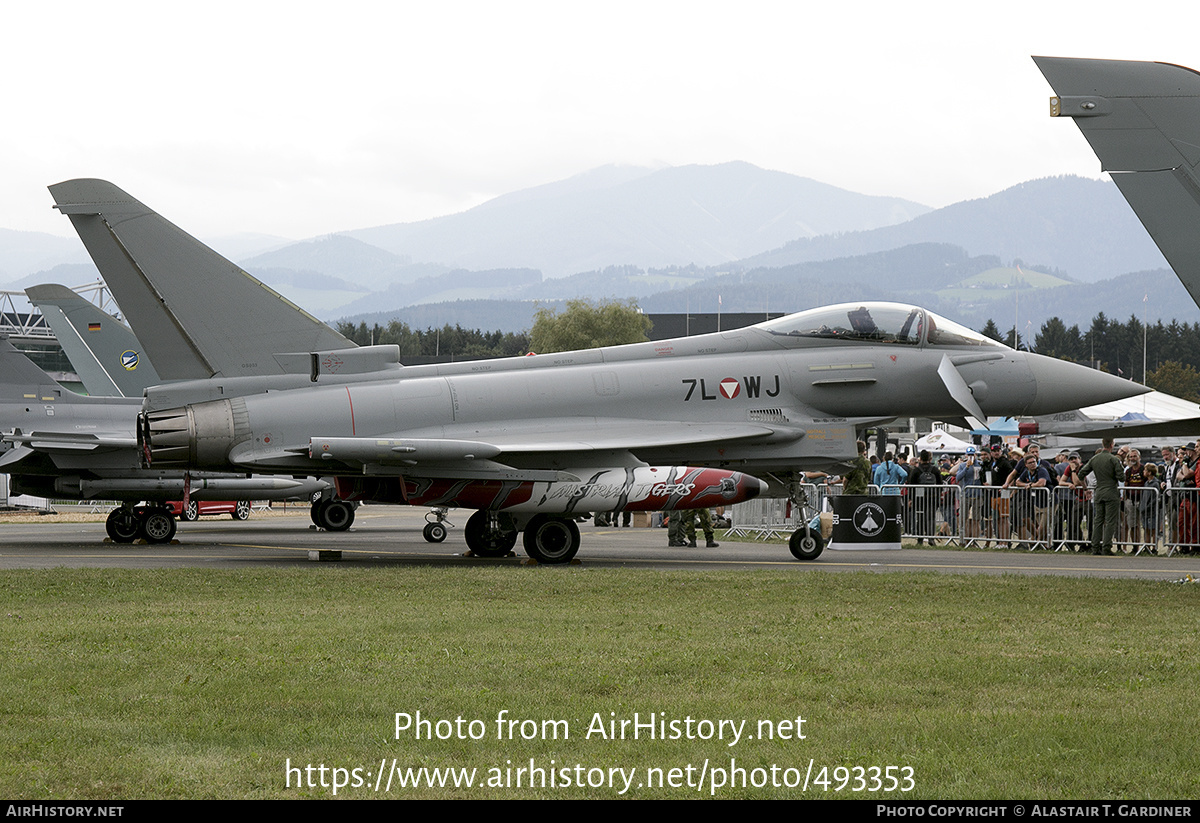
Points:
x=1106 y=500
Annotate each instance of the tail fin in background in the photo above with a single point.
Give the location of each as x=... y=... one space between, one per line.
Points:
x=198 y=314
x=104 y=352
x=21 y=381
x=1143 y=122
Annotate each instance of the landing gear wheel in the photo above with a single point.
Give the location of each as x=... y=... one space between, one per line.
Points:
x=192 y=512
x=485 y=540
x=551 y=539
x=806 y=544
x=315 y=512
x=434 y=533
x=334 y=515
x=242 y=511
x=123 y=525
x=157 y=526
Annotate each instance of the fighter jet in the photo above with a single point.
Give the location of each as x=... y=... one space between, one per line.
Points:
x=1143 y=121
x=527 y=440
x=530 y=441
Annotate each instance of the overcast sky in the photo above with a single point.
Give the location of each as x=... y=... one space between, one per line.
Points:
x=303 y=118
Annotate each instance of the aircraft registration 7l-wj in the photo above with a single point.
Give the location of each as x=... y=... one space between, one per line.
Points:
x=528 y=441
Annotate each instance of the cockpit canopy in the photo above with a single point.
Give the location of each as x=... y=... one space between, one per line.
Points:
x=892 y=323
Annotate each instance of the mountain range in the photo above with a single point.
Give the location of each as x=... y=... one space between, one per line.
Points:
x=684 y=238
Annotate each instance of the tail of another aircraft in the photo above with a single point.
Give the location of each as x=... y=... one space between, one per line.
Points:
x=103 y=351
x=1143 y=122
x=198 y=314
x=21 y=381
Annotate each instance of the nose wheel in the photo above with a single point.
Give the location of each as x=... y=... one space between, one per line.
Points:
x=435 y=529
x=806 y=544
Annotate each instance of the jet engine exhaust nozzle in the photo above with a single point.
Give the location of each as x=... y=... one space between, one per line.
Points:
x=196 y=436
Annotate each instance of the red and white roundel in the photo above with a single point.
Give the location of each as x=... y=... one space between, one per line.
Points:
x=730 y=387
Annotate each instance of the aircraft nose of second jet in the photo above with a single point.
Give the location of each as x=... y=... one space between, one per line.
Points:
x=1061 y=384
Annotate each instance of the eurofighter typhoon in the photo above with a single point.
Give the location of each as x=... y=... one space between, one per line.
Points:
x=530 y=442
x=682 y=423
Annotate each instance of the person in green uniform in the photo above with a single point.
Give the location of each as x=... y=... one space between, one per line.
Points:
x=1106 y=500
x=689 y=527
x=856 y=480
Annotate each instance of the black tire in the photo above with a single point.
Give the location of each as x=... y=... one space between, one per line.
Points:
x=123 y=525
x=434 y=533
x=241 y=511
x=335 y=515
x=315 y=512
x=190 y=512
x=806 y=544
x=551 y=540
x=484 y=541
x=157 y=526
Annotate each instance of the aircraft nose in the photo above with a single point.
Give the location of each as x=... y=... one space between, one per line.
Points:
x=1062 y=385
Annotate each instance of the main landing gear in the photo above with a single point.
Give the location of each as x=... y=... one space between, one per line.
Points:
x=490 y=534
x=154 y=524
x=547 y=539
x=332 y=515
x=551 y=539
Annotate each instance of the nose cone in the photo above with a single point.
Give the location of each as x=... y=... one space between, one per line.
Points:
x=1063 y=386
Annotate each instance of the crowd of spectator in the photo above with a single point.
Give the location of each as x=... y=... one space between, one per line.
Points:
x=1004 y=495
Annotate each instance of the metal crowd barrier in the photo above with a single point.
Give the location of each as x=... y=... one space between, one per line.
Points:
x=1058 y=519
x=930 y=512
x=1181 y=519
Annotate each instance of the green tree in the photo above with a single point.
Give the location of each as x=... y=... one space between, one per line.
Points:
x=1176 y=379
x=1097 y=343
x=1056 y=340
x=587 y=325
x=453 y=341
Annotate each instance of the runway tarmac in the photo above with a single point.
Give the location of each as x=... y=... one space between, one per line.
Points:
x=391 y=535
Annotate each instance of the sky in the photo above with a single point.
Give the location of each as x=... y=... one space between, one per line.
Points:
x=299 y=119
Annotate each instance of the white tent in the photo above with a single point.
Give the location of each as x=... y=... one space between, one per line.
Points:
x=940 y=442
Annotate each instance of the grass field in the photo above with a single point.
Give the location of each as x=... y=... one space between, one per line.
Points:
x=997 y=284
x=130 y=684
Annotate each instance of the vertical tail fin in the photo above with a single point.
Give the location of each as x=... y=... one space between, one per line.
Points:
x=106 y=355
x=21 y=381
x=198 y=314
